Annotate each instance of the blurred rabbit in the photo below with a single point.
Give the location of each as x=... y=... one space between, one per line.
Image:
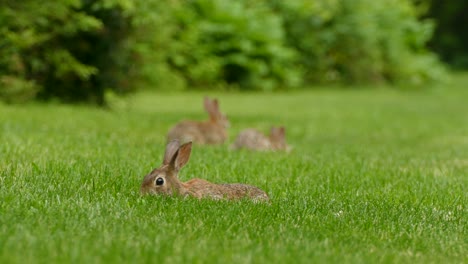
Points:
x=212 y=131
x=164 y=180
x=255 y=140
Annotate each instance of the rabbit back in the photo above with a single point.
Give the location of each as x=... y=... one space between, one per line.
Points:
x=186 y=131
x=198 y=132
x=252 y=139
x=204 y=189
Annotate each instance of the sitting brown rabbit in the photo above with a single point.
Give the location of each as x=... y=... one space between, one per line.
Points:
x=212 y=131
x=164 y=180
x=255 y=140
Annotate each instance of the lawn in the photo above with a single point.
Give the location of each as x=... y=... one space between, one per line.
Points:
x=375 y=176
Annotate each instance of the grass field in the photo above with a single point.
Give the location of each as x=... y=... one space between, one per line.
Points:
x=376 y=176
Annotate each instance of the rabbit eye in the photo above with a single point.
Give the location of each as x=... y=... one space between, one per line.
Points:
x=159 y=181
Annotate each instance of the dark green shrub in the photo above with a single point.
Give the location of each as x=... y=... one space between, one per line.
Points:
x=360 y=40
x=63 y=49
x=75 y=50
x=231 y=42
x=152 y=42
x=450 y=40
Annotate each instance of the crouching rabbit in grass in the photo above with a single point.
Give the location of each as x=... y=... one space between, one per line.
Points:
x=164 y=180
x=212 y=131
x=253 y=139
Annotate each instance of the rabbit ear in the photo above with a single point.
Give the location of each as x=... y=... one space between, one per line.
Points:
x=208 y=104
x=215 y=105
x=212 y=107
x=282 y=131
x=171 y=149
x=277 y=132
x=181 y=157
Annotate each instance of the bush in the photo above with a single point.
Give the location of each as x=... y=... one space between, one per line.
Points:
x=450 y=40
x=233 y=43
x=271 y=44
x=360 y=40
x=66 y=49
x=75 y=50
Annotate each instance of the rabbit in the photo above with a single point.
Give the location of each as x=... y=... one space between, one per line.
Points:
x=164 y=180
x=212 y=131
x=254 y=140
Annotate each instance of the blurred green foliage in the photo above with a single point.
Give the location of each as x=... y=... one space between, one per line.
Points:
x=75 y=50
x=450 y=39
x=231 y=42
x=360 y=40
x=68 y=49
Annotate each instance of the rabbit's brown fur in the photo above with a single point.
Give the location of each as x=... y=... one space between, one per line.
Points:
x=164 y=180
x=255 y=140
x=212 y=131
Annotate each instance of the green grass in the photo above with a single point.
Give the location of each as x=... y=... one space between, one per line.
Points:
x=376 y=176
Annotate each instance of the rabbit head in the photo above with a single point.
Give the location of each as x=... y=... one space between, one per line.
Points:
x=164 y=180
x=278 y=138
